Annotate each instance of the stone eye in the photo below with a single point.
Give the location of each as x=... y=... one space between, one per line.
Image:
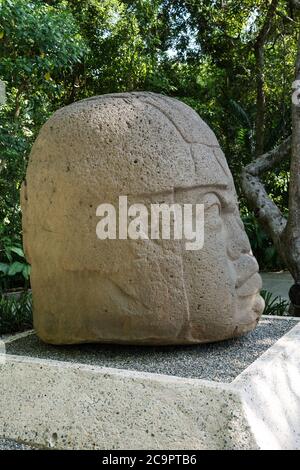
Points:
x=213 y=212
x=212 y=204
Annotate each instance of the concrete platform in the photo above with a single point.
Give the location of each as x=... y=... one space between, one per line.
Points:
x=220 y=362
x=241 y=394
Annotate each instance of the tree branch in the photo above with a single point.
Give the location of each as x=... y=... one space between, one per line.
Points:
x=270 y=159
x=266 y=210
x=265 y=30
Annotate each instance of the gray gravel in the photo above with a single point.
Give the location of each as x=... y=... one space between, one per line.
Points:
x=219 y=361
x=8 y=444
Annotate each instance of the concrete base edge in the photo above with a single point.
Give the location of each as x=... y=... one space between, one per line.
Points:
x=63 y=405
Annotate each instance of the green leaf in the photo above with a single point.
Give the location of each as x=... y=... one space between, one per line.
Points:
x=8 y=253
x=18 y=250
x=4 y=268
x=26 y=271
x=15 y=268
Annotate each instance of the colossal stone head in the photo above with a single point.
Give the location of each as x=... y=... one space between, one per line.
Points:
x=153 y=149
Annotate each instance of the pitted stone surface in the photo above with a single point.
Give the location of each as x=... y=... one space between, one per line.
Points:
x=152 y=149
x=71 y=406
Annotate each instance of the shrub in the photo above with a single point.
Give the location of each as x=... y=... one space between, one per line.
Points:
x=275 y=305
x=14 y=270
x=15 y=313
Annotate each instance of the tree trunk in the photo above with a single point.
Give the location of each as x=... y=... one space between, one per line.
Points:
x=260 y=101
x=292 y=232
x=285 y=233
x=259 y=51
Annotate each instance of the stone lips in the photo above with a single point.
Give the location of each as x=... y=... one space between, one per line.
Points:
x=153 y=149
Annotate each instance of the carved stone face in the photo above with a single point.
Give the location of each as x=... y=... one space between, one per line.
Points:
x=153 y=149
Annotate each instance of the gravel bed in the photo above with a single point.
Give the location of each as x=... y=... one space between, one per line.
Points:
x=8 y=444
x=221 y=362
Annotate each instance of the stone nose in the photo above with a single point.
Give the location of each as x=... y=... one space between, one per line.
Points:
x=246 y=266
x=237 y=243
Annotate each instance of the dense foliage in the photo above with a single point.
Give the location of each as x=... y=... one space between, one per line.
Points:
x=200 y=51
x=15 y=313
